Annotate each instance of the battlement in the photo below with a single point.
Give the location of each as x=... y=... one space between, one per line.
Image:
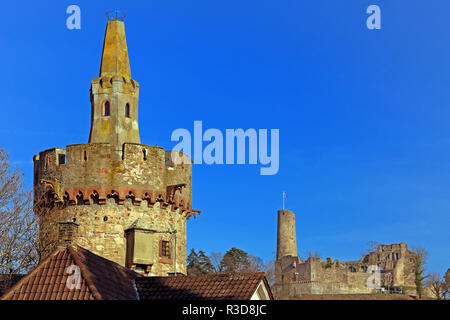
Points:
x=111 y=183
x=394 y=262
x=91 y=173
x=137 y=197
x=110 y=84
x=392 y=247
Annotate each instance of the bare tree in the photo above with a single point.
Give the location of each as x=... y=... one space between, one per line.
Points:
x=446 y=284
x=421 y=252
x=256 y=264
x=269 y=270
x=18 y=225
x=436 y=284
x=371 y=246
x=314 y=254
x=215 y=258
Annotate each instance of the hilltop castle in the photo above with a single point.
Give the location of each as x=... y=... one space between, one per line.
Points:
x=123 y=200
x=295 y=277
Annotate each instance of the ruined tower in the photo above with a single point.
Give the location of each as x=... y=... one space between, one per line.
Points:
x=121 y=199
x=286 y=236
x=295 y=277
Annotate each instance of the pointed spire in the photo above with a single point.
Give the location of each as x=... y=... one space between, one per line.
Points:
x=114 y=95
x=115 y=53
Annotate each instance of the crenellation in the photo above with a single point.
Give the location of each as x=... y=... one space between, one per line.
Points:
x=114 y=183
x=295 y=277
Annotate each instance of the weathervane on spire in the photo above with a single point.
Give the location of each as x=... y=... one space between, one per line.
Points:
x=284 y=197
x=115 y=15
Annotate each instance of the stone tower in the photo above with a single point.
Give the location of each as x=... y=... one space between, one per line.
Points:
x=121 y=199
x=295 y=277
x=114 y=93
x=286 y=236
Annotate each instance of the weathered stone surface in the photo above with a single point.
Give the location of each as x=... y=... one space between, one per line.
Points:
x=287 y=240
x=108 y=184
x=294 y=277
x=115 y=53
x=115 y=86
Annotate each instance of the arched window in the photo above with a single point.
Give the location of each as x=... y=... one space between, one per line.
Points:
x=127 y=110
x=106 y=109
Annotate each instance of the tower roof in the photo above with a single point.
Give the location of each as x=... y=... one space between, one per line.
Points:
x=115 y=53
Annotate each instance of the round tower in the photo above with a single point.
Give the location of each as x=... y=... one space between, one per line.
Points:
x=129 y=201
x=286 y=236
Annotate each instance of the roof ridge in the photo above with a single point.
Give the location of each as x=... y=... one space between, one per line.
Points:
x=109 y=261
x=85 y=272
x=240 y=286
x=216 y=274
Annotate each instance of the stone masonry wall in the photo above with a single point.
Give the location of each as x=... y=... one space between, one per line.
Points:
x=105 y=192
x=101 y=229
x=295 y=277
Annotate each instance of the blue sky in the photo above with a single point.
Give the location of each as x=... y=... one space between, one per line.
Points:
x=363 y=114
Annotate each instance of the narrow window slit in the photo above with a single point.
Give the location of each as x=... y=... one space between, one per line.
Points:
x=106 y=109
x=127 y=110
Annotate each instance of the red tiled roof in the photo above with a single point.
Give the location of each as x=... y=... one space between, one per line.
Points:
x=8 y=280
x=206 y=287
x=100 y=279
